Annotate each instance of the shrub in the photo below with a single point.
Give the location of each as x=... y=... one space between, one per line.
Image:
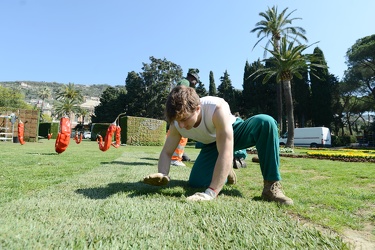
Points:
x=339 y=141
x=46 y=128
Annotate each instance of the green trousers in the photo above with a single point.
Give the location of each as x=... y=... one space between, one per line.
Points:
x=259 y=131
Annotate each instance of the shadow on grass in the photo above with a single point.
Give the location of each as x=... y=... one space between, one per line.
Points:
x=42 y=153
x=128 y=163
x=137 y=189
x=150 y=159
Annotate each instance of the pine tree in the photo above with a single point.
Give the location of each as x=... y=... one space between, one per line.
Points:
x=226 y=90
x=201 y=90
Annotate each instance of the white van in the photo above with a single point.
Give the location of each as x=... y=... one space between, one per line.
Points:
x=313 y=137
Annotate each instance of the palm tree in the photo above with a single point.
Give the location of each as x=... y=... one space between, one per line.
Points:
x=44 y=94
x=68 y=100
x=277 y=26
x=69 y=92
x=284 y=64
x=82 y=114
x=66 y=107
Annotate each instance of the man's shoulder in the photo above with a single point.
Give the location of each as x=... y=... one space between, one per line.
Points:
x=184 y=82
x=211 y=99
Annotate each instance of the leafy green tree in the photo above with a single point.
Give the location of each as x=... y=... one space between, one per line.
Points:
x=286 y=63
x=212 y=86
x=46 y=118
x=353 y=102
x=337 y=107
x=361 y=64
x=277 y=25
x=135 y=104
x=12 y=98
x=159 y=77
x=112 y=103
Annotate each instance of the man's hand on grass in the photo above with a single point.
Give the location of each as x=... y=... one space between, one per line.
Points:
x=208 y=195
x=157 y=179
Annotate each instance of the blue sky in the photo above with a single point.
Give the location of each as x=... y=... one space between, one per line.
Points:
x=99 y=42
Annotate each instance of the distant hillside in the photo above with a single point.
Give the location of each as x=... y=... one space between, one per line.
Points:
x=31 y=89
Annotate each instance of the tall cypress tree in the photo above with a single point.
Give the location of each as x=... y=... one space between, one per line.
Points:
x=258 y=98
x=212 y=86
x=226 y=90
x=249 y=91
x=321 y=93
x=302 y=100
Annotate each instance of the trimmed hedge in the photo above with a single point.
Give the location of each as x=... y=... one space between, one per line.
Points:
x=99 y=129
x=49 y=127
x=140 y=131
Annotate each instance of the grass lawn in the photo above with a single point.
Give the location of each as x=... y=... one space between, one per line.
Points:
x=88 y=199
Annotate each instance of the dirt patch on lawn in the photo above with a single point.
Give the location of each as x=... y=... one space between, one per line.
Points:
x=360 y=240
x=356 y=240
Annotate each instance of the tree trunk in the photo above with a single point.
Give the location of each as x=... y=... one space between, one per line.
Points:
x=279 y=98
x=289 y=111
x=279 y=89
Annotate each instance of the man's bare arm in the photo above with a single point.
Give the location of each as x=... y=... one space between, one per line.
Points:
x=224 y=142
x=162 y=177
x=169 y=147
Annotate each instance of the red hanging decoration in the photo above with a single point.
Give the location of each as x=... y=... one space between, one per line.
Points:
x=21 y=130
x=63 y=138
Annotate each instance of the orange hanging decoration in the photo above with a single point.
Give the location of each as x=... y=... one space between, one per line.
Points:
x=104 y=146
x=21 y=130
x=117 y=143
x=63 y=138
x=77 y=138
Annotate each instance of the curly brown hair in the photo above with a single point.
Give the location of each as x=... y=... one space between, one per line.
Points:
x=181 y=101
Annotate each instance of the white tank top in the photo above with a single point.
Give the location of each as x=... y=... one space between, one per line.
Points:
x=206 y=131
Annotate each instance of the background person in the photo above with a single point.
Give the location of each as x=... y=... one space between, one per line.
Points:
x=179 y=155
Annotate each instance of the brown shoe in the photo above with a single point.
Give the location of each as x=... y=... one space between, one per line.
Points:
x=239 y=163
x=255 y=159
x=232 y=177
x=272 y=191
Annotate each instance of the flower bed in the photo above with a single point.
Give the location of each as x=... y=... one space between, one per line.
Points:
x=346 y=155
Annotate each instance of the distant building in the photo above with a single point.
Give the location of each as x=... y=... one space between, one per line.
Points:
x=89 y=104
